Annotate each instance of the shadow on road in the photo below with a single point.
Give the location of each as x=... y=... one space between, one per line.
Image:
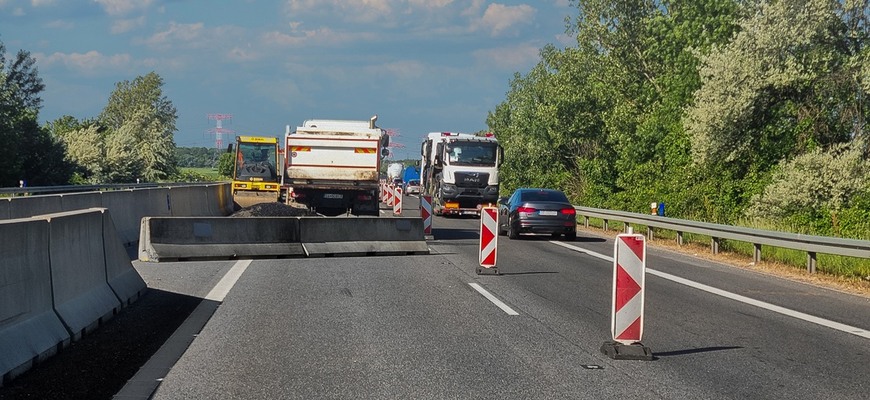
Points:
x=693 y=351
x=100 y=364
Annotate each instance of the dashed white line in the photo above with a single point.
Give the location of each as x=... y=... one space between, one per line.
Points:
x=493 y=299
x=733 y=296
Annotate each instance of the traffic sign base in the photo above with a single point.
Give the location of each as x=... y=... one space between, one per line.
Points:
x=487 y=271
x=619 y=351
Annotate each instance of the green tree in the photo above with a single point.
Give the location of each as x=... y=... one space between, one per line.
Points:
x=140 y=111
x=29 y=152
x=226 y=163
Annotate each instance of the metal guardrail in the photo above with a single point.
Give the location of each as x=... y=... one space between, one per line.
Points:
x=26 y=191
x=809 y=243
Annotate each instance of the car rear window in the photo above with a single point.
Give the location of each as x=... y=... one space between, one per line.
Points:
x=546 y=195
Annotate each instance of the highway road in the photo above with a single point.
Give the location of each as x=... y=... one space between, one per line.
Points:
x=416 y=327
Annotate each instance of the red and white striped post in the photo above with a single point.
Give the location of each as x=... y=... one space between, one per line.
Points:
x=488 y=241
x=397 y=201
x=426 y=214
x=629 y=271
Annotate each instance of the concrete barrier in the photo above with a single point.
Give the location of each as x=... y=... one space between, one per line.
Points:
x=27 y=206
x=362 y=236
x=185 y=238
x=30 y=331
x=82 y=296
x=120 y=274
x=220 y=199
x=5 y=206
x=79 y=201
x=189 y=201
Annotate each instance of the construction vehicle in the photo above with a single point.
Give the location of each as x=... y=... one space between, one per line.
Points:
x=255 y=173
x=460 y=171
x=332 y=166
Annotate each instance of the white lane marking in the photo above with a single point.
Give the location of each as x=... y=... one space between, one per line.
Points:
x=733 y=296
x=228 y=281
x=581 y=250
x=504 y=307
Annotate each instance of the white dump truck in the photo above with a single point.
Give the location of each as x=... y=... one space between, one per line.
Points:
x=460 y=171
x=332 y=166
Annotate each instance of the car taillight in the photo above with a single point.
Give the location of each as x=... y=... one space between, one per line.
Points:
x=526 y=210
x=569 y=211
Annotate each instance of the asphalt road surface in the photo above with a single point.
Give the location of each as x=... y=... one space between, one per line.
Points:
x=428 y=326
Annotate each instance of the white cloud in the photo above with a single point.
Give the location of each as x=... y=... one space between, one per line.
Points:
x=18 y=12
x=318 y=36
x=240 y=54
x=86 y=62
x=123 y=7
x=60 y=24
x=126 y=25
x=184 y=33
x=499 y=18
x=513 y=58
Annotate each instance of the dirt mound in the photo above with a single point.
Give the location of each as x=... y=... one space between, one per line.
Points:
x=273 y=210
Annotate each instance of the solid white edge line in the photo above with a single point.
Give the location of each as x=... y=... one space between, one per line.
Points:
x=733 y=296
x=228 y=281
x=504 y=307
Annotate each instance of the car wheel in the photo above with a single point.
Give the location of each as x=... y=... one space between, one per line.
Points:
x=512 y=233
x=555 y=235
x=571 y=236
x=501 y=232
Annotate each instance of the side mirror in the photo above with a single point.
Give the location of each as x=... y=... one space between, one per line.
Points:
x=385 y=152
x=230 y=148
x=503 y=200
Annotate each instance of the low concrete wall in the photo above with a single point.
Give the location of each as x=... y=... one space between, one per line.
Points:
x=128 y=206
x=80 y=201
x=362 y=236
x=181 y=238
x=82 y=296
x=174 y=238
x=30 y=331
x=190 y=201
x=120 y=274
x=5 y=206
x=27 y=206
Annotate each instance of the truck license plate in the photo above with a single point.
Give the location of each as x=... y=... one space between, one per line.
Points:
x=333 y=196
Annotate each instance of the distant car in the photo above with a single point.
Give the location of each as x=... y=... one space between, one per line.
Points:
x=530 y=210
x=413 y=187
x=397 y=182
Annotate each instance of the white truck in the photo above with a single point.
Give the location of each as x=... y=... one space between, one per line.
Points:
x=332 y=166
x=394 y=171
x=460 y=171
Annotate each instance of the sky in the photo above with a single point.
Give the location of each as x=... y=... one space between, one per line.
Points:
x=420 y=65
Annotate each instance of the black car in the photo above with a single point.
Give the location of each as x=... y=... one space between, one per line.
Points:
x=537 y=211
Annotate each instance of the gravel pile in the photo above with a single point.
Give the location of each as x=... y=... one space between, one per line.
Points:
x=273 y=210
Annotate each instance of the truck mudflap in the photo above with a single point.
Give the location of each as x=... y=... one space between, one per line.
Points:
x=450 y=208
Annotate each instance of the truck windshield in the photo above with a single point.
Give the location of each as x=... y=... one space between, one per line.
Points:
x=255 y=160
x=471 y=153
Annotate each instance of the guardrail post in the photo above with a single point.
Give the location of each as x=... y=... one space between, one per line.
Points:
x=605 y=225
x=679 y=238
x=586 y=221
x=756 y=257
x=811 y=262
x=649 y=233
x=714 y=245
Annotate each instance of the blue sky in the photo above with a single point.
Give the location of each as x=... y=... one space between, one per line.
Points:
x=420 y=65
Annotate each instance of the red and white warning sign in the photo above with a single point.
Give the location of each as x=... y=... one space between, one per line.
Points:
x=388 y=195
x=426 y=213
x=629 y=271
x=397 y=201
x=488 y=237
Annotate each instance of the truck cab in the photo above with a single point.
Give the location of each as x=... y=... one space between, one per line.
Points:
x=460 y=171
